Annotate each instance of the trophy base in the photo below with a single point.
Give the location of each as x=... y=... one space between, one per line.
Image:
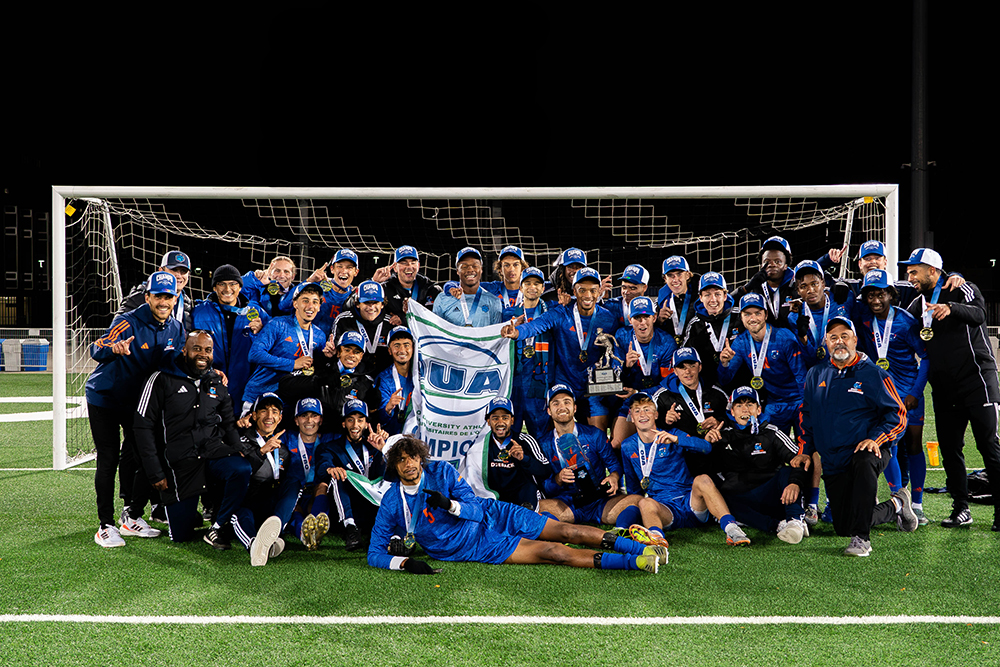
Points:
x=604 y=383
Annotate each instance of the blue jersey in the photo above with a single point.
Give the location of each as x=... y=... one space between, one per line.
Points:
x=302 y=467
x=904 y=346
x=118 y=378
x=811 y=339
x=230 y=348
x=617 y=307
x=392 y=420
x=570 y=370
x=484 y=308
x=783 y=372
x=442 y=535
x=508 y=298
x=536 y=366
x=669 y=476
x=683 y=306
x=592 y=451
x=659 y=352
x=336 y=451
x=275 y=350
x=270 y=296
x=331 y=305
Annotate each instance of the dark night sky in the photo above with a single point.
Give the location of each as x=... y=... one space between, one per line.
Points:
x=307 y=95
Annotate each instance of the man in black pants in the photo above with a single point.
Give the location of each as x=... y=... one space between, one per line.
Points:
x=963 y=375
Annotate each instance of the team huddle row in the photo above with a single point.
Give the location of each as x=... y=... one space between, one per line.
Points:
x=320 y=377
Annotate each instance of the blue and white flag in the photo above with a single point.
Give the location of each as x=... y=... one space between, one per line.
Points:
x=458 y=371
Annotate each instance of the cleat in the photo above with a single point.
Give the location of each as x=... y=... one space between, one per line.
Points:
x=276 y=548
x=791 y=531
x=108 y=537
x=322 y=526
x=906 y=519
x=136 y=527
x=659 y=551
x=921 y=517
x=214 y=537
x=644 y=535
x=267 y=536
x=858 y=547
x=736 y=536
x=811 y=516
x=352 y=538
x=308 y=533
x=648 y=563
x=958 y=518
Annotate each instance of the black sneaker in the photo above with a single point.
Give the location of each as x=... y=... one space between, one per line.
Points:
x=957 y=518
x=215 y=538
x=352 y=538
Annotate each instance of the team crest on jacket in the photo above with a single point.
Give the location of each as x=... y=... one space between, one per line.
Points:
x=758 y=448
x=856 y=389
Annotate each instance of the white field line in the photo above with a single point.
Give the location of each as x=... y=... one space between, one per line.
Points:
x=72 y=411
x=498 y=620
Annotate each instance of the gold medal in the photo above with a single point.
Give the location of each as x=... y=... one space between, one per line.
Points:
x=273 y=288
x=644 y=483
x=410 y=541
x=820 y=352
x=503 y=455
x=308 y=371
x=345 y=381
x=883 y=364
x=677 y=339
x=702 y=430
x=757 y=382
x=252 y=314
x=583 y=357
x=327 y=285
x=529 y=352
x=926 y=333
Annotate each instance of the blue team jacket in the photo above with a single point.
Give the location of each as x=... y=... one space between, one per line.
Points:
x=234 y=359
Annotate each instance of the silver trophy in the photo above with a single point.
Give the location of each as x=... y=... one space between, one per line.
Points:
x=603 y=377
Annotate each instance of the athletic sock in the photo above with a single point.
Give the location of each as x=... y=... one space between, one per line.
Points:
x=617 y=562
x=814 y=497
x=628 y=516
x=892 y=474
x=624 y=545
x=321 y=505
x=657 y=530
x=918 y=475
x=725 y=521
x=897 y=503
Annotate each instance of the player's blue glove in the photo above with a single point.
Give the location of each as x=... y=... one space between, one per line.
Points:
x=437 y=499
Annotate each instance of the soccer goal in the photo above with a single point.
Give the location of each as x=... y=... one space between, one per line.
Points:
x=105 y=240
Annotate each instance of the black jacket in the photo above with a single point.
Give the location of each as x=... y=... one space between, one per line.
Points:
x=180 y=423
x=396 y=294
x=743 y=459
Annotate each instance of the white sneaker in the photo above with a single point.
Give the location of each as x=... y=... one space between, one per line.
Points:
x=791 y=531
x=137 y=527
x=267 y=536
x=108 y=536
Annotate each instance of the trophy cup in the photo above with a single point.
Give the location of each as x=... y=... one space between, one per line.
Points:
x=604 y=377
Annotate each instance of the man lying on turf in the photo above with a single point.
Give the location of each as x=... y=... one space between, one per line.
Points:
x=435 y=508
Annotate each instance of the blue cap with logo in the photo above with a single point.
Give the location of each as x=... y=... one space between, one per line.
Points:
x=641 y=305
x=807 y=266
x=467 y=251
x=175 y=259
x=532 y=272
x=777 y=243
x=925 y=256
x=353 y=406
x=840 y=319
x=308 y=405
x=753 y=300
x=405 y=252
x=573 y=256
x=499 y=403
x=712 y=279
x=351 y=338
x=744 y=392
x=268 y=398
x=312 y=287
x=557 y=389
x=876 y=278
x=397 y=332
x=871 y=247
x=587 y=273
x=675 y=263
x=345 y=254
x=684 y=355
x=369 y=291
x=511 y=250
x=161 y=282
x=637 y=396
x=635 y=273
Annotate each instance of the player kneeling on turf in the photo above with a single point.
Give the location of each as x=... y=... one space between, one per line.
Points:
x=435 y=508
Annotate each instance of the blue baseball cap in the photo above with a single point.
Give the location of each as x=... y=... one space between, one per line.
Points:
x=268 y=398
x=712 y=279
x=808 y=266
x=641 y=305
x=744 y=392
x=876 y=278
x=353 y=406
x=557 y=389
x=399 y=331
x=405 y=252
x=635 y=273
x=684 y=355
x=871 y=247
x=840 y=319
x=161 y=282
x=465 y=252
x=752 y=300
x=638 y=396
x=925 y=256
x=351 y=338
x=175 y=259
x=301 y=287
x=369 y=291
x=573 y=256
x=511 y=250
x=777 y=243
x=587 y=273
x=675 y=263
x=499 y=403
x=308 y=405
x=532 y=272
x=345 y=253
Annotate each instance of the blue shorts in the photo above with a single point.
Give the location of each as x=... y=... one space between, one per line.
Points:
x=490 y=546
x=915 y=417
x=684 y=516
x=781 y=415
x=512 y=519
x=601 y=405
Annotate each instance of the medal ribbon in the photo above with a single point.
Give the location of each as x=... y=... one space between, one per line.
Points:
x=773 y=299
x=882 y=344
x=465 y=307
x=812 y=321
x=928 y=317
x=304 y=456
x=757 y=361
x=408 y=519
x=370 y=345
x=719 y=342
x=273 y=456
x=646 y=364
x=693 y=406
x=646 y=460
x=679 y=322
x=512 y=301
x=362 y=467
x=583 y=339
x=307 y=350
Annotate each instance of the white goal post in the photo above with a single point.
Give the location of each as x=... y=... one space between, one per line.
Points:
x=604 y=204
